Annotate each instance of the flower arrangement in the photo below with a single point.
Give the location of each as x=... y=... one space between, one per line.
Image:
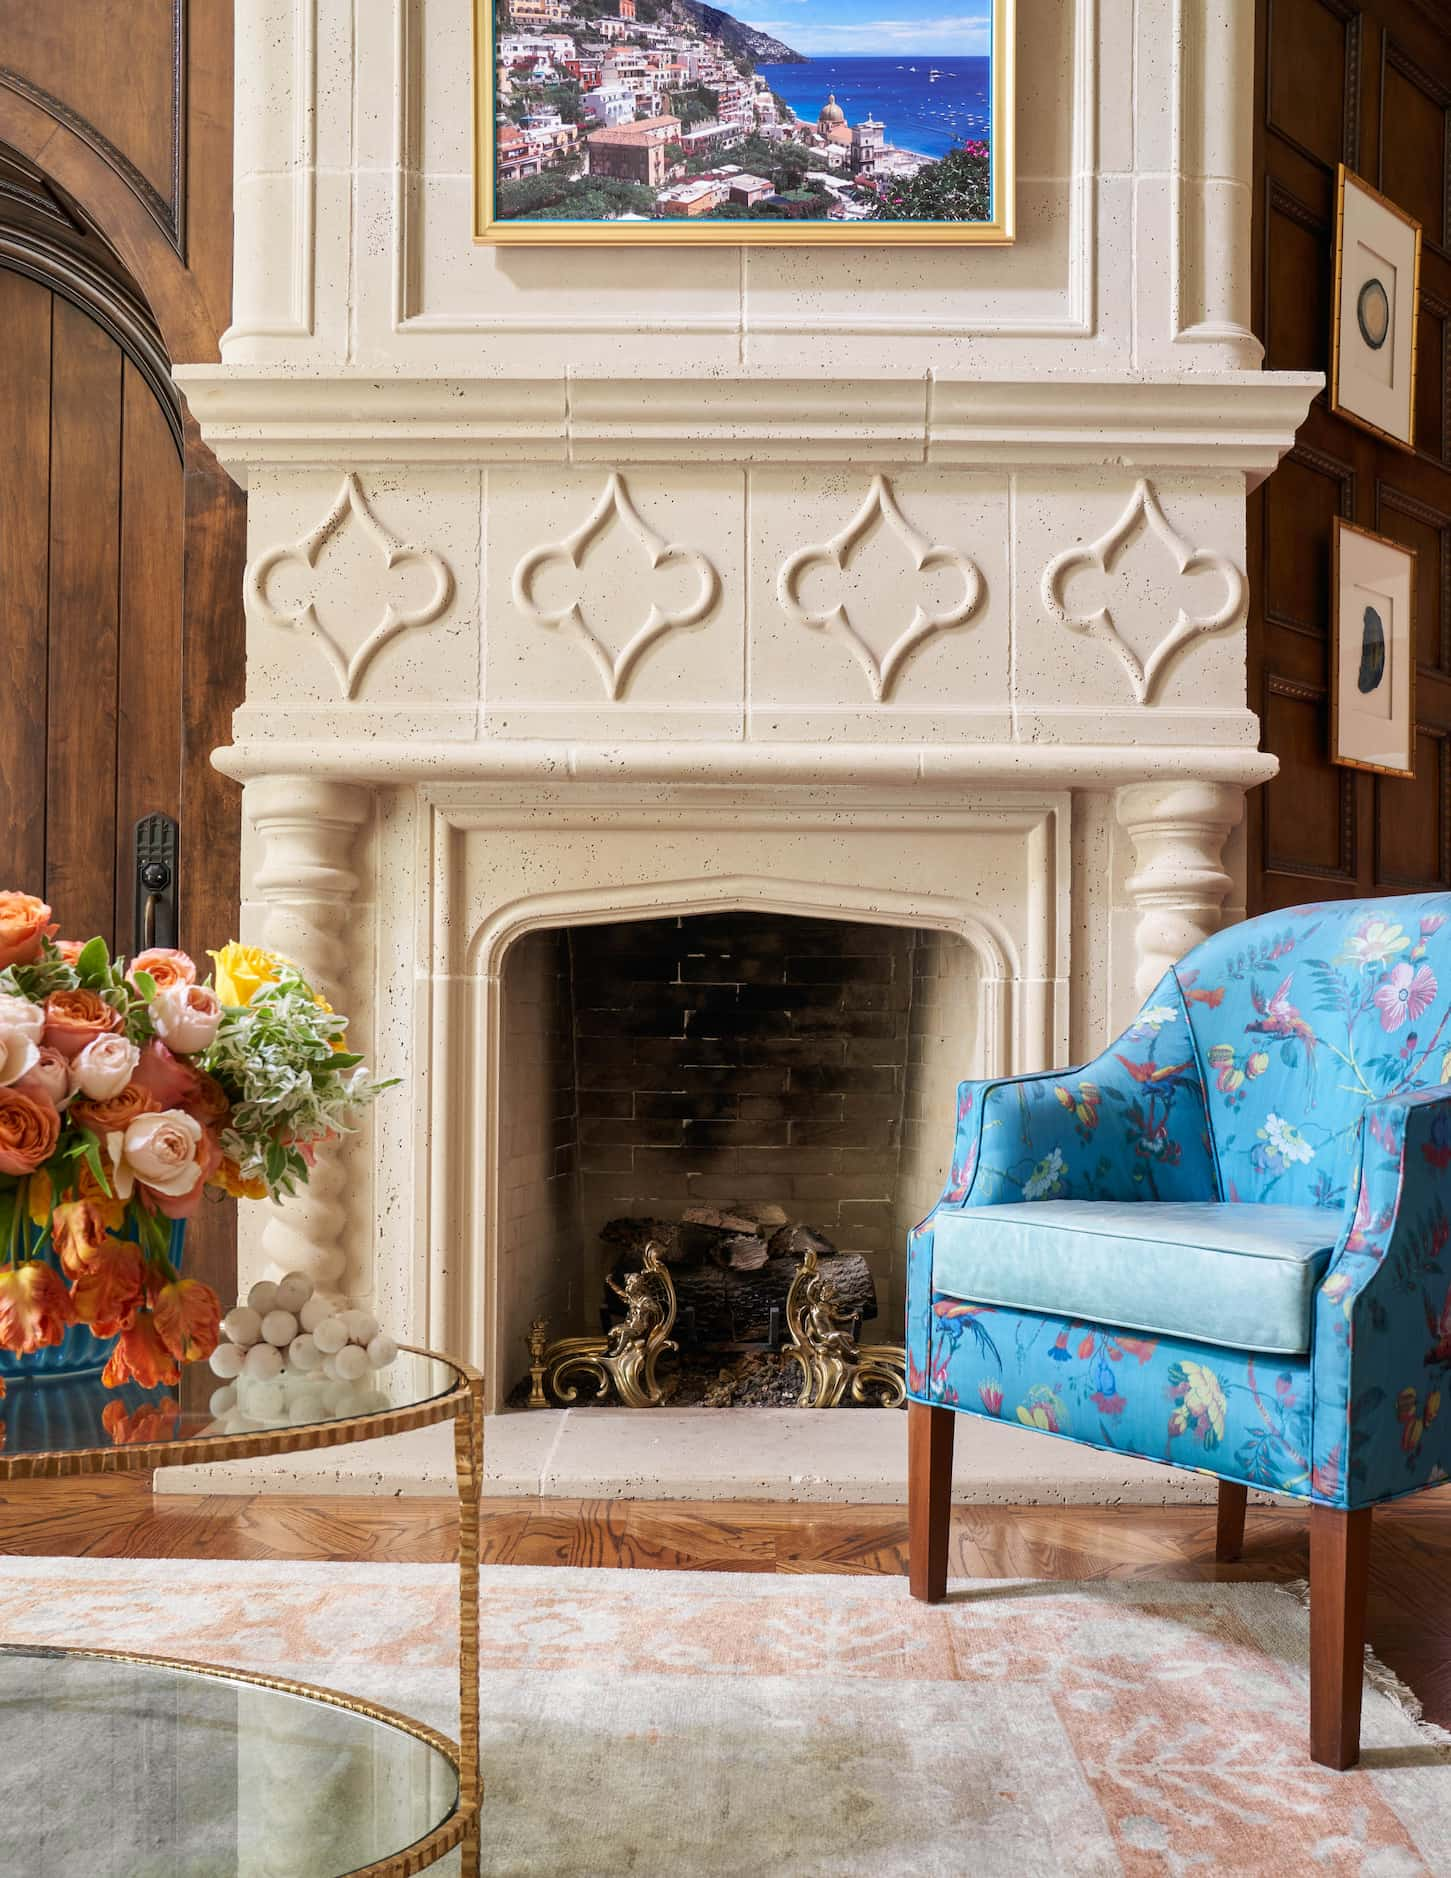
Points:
x=128 y=1091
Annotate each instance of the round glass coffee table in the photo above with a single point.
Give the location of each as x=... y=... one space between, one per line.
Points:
x=124 y=1766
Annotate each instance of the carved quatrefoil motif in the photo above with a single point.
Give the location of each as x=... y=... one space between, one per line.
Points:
x=1143 y=511
x=614 y=509
x=349 y=505
x=880 y=505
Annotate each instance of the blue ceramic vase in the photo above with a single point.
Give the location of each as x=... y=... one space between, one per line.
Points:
x=79 y=1353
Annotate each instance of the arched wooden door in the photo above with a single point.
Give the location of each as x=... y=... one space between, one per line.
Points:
x=91 y=570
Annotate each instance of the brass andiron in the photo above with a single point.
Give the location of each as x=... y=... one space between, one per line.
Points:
x=625 y=1359
x=538 y=1361
x=829 y=1356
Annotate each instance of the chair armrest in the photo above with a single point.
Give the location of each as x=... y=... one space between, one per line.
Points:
x=1130 y=1125
x=1381 y=1345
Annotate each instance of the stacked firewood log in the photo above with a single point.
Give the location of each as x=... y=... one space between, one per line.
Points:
x=732 y=1267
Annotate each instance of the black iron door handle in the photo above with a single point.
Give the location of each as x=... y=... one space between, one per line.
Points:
x=154 y=899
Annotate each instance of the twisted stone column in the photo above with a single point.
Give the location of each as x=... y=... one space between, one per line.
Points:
x=307 y=828
x=1180 y=885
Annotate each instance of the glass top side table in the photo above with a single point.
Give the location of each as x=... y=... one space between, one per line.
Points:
x=186 y=1755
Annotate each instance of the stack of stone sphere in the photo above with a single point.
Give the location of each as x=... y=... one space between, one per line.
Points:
x=288 y=1356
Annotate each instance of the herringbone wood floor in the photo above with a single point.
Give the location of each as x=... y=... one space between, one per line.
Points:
x=1410 y=1609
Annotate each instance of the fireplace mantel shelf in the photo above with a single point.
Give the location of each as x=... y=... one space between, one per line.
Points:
x=745 y=765
x=1225 y=420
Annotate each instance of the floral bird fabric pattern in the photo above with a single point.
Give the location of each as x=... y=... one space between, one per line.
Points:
x=1303 y=1059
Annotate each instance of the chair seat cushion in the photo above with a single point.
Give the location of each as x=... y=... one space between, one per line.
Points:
x=1243 y=1277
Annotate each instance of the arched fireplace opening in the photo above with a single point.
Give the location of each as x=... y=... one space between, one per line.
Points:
x=726 y=1061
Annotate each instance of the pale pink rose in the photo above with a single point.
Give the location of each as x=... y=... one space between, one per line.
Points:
x=159 y=1152
x=165 y=964
x=208 y=1160
x=49 y=1080
x=18 y=1056
x=173 y=1082
x=186 y=1017
x=104 y=1067
x=20 y=1014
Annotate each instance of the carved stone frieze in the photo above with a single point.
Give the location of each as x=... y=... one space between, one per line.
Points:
x=880 y=508
x=615 y=509
x=1144 y=511
x=350 y=509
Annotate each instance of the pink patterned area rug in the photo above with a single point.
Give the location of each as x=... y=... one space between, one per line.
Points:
x=694 y=1725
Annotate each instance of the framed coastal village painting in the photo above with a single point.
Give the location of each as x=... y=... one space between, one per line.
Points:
x=636 y=122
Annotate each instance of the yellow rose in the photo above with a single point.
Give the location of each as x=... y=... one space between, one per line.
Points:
x=243 y=971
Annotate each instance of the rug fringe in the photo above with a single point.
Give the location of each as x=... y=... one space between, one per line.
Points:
x=1383 y=1680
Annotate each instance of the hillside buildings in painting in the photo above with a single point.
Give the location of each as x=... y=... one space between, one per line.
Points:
x=653 y=109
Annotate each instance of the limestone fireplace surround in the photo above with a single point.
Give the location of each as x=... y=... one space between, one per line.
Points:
x=592 y=587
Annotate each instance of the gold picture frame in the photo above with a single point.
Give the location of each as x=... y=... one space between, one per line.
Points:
x=998 y=230
x=1367 y=391
x=1366 y=565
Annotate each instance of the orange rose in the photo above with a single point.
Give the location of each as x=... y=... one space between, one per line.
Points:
x=29 y=1131
x=116 y=1114
x=188 y=1319
x=140 y=1356
x=35 y=1307
x=75 y=1018
x=108 y=1290
x=166 y=965
x=70 y=949
x=24 y=922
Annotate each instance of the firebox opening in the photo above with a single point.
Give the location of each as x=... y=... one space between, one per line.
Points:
x=651 y=1066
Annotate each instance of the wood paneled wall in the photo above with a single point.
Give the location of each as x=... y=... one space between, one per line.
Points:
x=1370 y=85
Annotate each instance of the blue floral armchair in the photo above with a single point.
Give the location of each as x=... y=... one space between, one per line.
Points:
x=1221 y=1245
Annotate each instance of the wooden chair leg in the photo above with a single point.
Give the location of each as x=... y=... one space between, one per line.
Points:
x=1339 y=1568
x=1229 y=1532
x=929 y=1499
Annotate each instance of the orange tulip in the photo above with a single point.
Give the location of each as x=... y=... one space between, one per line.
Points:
x=188 y=1319
x=140 y=1356
x=35 y=1307
x=150 y=1421
x=229 y=1178
x=78 y=1230
x=108 y=1290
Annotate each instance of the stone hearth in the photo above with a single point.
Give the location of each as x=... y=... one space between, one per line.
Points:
x=897 y=593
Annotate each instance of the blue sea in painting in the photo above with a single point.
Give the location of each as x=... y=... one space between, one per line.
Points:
x=921 y=111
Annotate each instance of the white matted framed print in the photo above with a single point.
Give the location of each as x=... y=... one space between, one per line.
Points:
x=1373 y=653
x=642 y=123
x=1377 y=298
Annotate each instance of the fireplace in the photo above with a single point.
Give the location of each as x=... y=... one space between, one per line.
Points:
x=605 y=608
x=709 y=1061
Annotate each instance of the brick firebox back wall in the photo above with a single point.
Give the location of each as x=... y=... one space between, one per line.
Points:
x=762 y=1057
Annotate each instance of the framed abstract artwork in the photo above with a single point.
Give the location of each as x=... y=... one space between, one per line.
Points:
x=640 y=122
x=1377 y=295
x=1373 y=653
